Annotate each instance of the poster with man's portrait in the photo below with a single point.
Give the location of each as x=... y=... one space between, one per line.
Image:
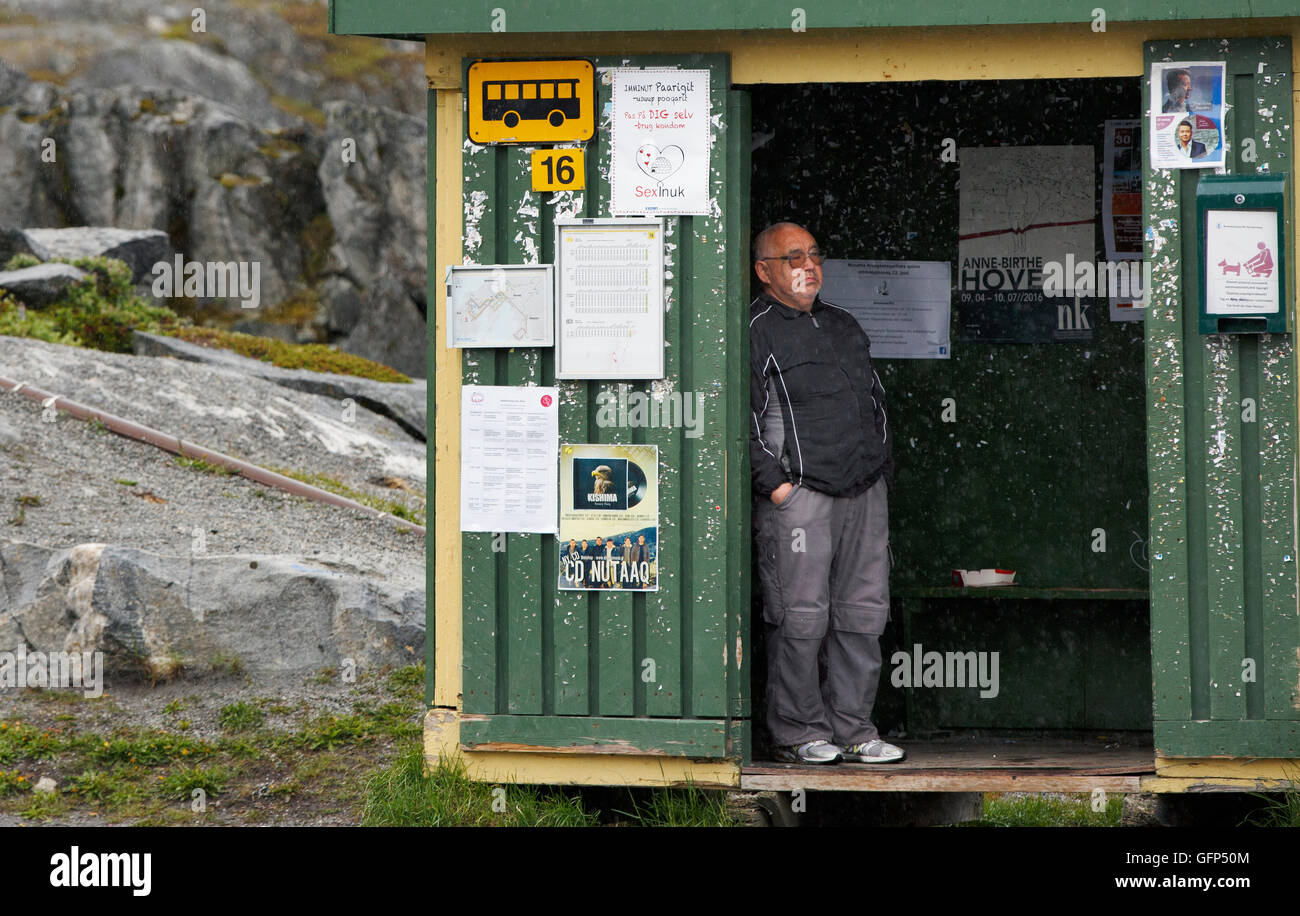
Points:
x=1187 y=114
x=609 y=518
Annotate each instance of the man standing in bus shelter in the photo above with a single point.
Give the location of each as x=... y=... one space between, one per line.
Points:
x=822 y=465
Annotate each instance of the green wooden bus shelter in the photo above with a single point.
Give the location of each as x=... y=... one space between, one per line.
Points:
x=1141 y=480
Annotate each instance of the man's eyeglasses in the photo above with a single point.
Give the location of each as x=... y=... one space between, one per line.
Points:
x=796 y=259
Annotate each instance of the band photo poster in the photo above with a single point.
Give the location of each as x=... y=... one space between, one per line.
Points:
x=609 y=517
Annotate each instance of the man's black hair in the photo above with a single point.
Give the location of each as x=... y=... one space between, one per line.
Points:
x=1174 y=77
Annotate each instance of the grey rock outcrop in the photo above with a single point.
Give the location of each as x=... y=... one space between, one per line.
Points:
x=149 y=614
x=12 y=83
x=181 y=134
x=406 y=404
x=374 y=291
x=189 y=67
x=140 y=249
x=18 y=241
x=40 y=285
x=167 y=161
x=282 y=43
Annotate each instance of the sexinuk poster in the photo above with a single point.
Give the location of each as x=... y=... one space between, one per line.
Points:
x=659 y=157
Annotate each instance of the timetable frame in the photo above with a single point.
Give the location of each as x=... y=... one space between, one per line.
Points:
x=634 y=309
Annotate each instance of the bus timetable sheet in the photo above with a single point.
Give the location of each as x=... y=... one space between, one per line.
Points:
x=609 y=299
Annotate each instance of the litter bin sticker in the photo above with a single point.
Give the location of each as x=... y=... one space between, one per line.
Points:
x=609 y=517
x=1241 y=273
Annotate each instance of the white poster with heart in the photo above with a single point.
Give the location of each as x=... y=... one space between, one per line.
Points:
x=660 y=143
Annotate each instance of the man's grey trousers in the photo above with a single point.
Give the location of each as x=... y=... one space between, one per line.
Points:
x=824 y=566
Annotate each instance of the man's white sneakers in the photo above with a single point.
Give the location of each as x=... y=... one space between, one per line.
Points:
x=819 y=751
x=876 y=751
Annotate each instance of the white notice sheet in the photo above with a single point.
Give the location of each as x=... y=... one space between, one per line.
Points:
x=509 y=453
x=609 y=299
x=902 y=305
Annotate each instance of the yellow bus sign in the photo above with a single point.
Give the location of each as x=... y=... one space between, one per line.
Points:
x=531 y=101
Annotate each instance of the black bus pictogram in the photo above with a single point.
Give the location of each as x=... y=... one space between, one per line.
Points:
x=512 y=101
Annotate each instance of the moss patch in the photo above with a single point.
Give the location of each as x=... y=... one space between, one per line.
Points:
x=297 y=107
x=316 y=357
x=231 y=180
x=339 y=488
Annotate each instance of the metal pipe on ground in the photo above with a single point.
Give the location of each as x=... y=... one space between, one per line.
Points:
x=168 y=443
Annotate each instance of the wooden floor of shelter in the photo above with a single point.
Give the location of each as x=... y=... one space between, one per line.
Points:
x=966 y=764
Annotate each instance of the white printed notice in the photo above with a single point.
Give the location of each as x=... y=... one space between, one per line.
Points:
x=902 y=305
x=1240 y=266
x=609 y=298
x=659 y=159
x=509 y=452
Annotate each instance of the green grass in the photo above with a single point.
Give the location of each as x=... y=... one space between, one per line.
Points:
x=225 y=663
x=147 y=776
x=688 y=807
x=407 y=683
x=299 y=108
x=180 y=785
x=147 y=748
x=328 y=731
x=1282 y=809
x=99 y=312
x=401 y=795
x=1049 y=811
x=240 y=716
x=13 y=783
x=124 y=482
x=21 y=741
x=339 y=488
x=198 y=464
x=93 y=785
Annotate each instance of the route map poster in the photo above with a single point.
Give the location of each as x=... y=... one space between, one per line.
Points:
x=1022 y=208
x=659 y=158
x=501 y=305
x=609 y=518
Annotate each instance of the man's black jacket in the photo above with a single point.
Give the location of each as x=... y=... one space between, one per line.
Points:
x=817 y=406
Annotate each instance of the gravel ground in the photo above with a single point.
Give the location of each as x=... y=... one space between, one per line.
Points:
x=96 y=486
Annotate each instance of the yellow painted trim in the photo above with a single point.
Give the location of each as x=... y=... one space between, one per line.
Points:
x=445 y=441
x=442 y=739
x=1249 y=768
x=1167 y=785
x=870 y=55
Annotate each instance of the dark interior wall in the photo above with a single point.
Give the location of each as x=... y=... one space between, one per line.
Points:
x=1050 y=439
